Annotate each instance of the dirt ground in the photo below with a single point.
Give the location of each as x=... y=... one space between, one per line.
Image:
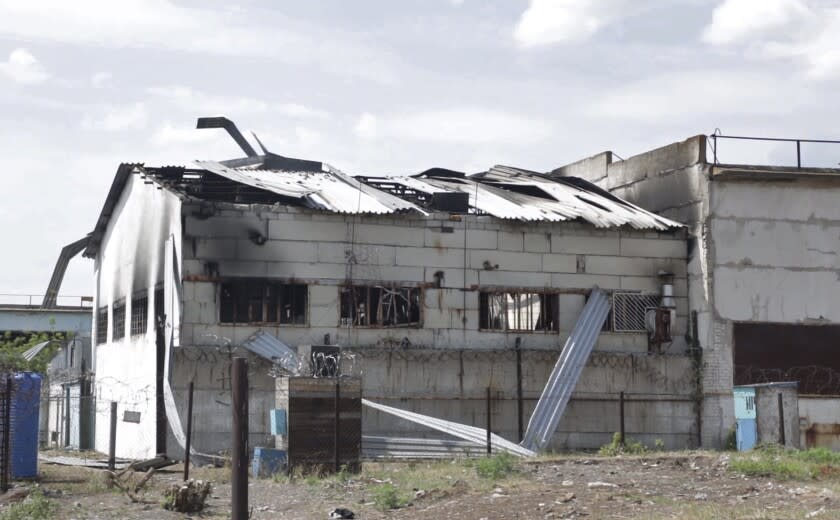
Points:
x=688 y=485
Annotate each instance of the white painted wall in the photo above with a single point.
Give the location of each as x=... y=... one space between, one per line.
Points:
x=130 y=259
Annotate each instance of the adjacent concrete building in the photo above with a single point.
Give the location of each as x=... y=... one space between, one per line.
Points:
x=436 y=287
x=763 y=271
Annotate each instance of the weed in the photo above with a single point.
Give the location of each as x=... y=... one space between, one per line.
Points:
x=658 y=445
x=496 y=467
x=35 y=507
x=387 y=496
x=628 y=448
x=772 y=460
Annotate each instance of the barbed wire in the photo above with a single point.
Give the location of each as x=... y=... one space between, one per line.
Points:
x=813 y=379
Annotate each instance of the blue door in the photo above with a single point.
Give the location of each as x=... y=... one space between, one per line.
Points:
x=745 y=436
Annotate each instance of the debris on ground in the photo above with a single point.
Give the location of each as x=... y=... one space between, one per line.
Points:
x=341 y=513
x=186 y=497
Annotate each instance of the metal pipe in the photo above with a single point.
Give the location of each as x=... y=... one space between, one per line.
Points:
x=489 y=423
x=189 y=432
x=239 y=440
x=112 y=445
x=337 y=426
x=621 y=415
x=781 y=421
x=798 y=155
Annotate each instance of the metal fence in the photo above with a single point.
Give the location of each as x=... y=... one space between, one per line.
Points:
x=715 y=138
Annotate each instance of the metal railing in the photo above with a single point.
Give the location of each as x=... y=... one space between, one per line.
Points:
x=35 y=300
x=713 y=141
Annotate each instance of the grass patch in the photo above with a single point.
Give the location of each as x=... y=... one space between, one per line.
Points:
x=629 y=447
x=777 y=462
x=495 y=467
x=35 y=507
x=387 y=496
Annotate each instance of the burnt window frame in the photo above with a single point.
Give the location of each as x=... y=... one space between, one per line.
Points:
x=102 y=325
x=550 y=302
x=139 y=321
x=272 y=302
x=118 y=319
x=351 y=297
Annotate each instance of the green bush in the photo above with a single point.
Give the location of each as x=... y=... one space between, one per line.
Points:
x=35 y=507
x=495 y=467
x=387 y=496
x=629 y=448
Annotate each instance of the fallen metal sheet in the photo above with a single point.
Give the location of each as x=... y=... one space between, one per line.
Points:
x=374 y=447
x=81 y=462
x=31 y=353
x=462 y=431
x=269 y=347
x=555 y=396
x=173 y=296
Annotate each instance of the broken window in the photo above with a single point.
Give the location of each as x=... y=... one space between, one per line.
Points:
x=518 y=311
x=380 y=306
x=139 y=315
x=119 y=321
x=261 y=301
x=101 y=325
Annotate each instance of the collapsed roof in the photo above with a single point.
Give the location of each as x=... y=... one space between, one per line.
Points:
x=503 y=192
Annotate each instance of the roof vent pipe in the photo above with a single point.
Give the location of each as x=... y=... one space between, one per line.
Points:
x=227 y=124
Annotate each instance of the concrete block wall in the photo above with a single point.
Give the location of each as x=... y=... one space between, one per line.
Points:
x=209 y=369
x=467 y=254
x=452 y=385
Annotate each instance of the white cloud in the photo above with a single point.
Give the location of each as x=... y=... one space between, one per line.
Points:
x=164 y=25
x=799 y=30
x=456 y=126
x=553 y=21
x=117 y=118
x=168 y=135
x=739 y=20
x=101 y=79
x=696 y=95
x=22 y=67
x=366 y=126
x=200 y=103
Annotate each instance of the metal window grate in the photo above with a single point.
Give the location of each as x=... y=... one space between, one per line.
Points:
x=139 y=316
x=119 y=322
x=101 y=325
x=628 y=310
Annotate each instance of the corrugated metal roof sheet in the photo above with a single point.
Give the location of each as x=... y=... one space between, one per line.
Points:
x=268 y=347
x=510 y=193
x=330 y=190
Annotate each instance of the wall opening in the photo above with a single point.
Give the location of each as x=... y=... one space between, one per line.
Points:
x=809 y=354
x=518 y=311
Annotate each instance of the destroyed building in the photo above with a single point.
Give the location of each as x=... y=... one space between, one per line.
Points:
x=763 y=265
x=436 y=286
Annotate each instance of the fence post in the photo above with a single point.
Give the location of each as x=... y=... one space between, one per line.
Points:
x=621 y=416
x=798 y=155
x=781 y=421
x=489 y=424
x=112 y=445
x=519 y=411
x=239 y=440
x=337 y=426
x=189 y=432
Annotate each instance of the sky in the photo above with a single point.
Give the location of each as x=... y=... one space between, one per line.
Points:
x=383 y=87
